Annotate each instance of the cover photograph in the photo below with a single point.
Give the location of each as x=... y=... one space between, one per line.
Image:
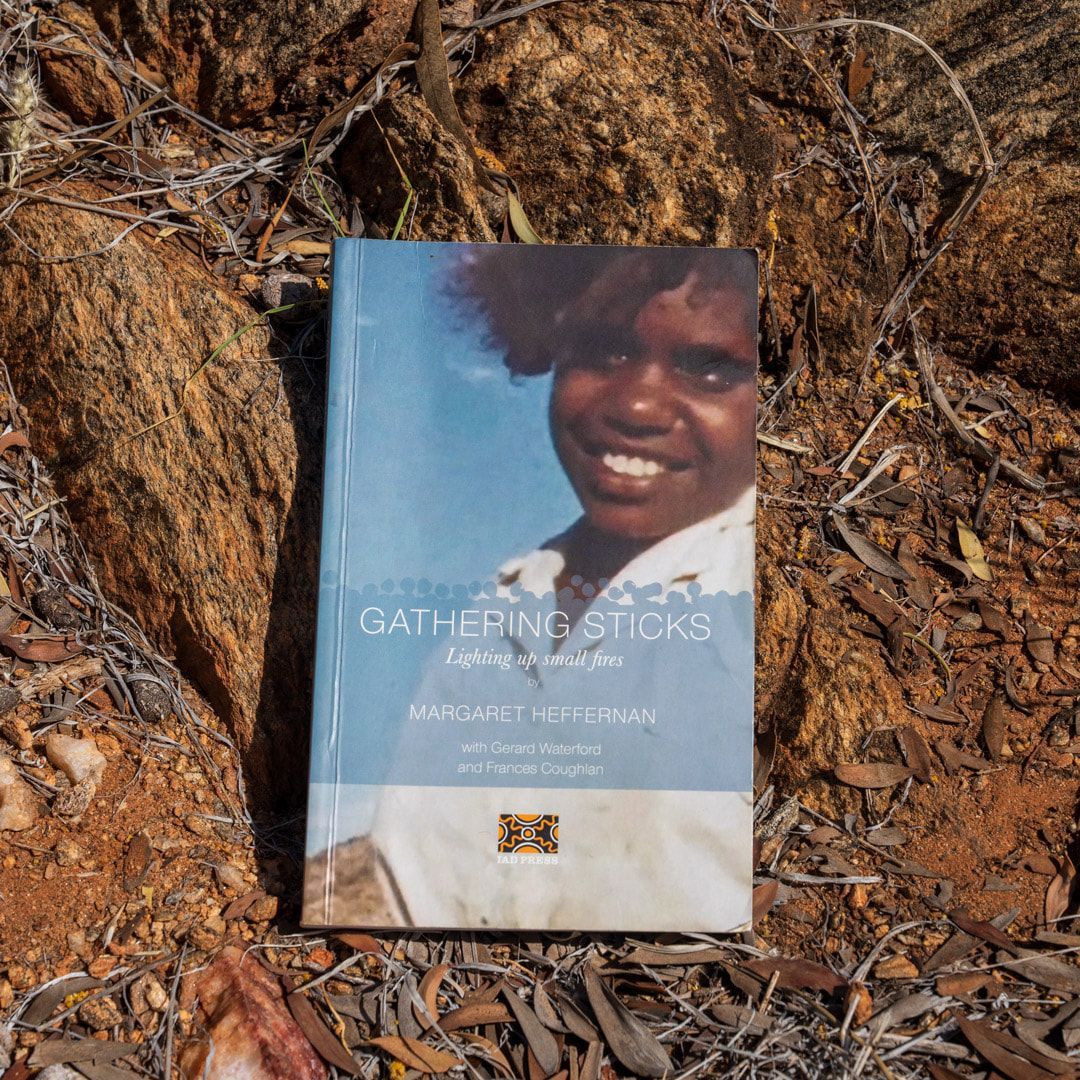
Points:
x=533 y=701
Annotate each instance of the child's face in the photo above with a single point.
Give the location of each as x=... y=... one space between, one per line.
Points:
x=654 y=421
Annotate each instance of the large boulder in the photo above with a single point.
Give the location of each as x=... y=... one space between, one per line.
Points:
x=621 y=124
x=203 y=526
x=1007 y=294
x=236 y=59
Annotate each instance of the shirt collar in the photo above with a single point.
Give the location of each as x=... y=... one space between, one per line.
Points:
x=717 y=554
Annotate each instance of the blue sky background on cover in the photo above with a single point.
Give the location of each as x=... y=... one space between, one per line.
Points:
x=443 y=428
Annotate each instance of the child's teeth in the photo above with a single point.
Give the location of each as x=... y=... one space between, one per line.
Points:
x=632 y=466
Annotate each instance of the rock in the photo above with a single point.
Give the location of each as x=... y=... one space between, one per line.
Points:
x=251 y=1032
x=626 y=126
x=78 y=759
x=263 y=910
x=59 y=1072
x=152 y=700
x=230 y=877
x=68 y=853
x=75 y=801
x=277 y=290
x=449 y=204
x=1005 y=295
x=100 y=1013
x=9 y=698
x=73 y=78
x=7 y=1046
x=205 y=527
x=235 y=59
x=896 y=967
x=54 y=609
x=835 y=691
x=623 y=127
x=18 y=807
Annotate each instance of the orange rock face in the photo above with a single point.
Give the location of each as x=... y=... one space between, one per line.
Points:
x=250 y=1034
x=206 y=526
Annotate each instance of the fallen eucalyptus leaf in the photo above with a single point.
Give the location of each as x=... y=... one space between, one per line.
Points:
x=872 y=774
x=972 y=550
x=630 y=1040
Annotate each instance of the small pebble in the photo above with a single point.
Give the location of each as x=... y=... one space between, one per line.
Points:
x=52 y=607
x=78 y=759
x=18 y=807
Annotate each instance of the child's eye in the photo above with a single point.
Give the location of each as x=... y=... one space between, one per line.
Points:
x=712 y=368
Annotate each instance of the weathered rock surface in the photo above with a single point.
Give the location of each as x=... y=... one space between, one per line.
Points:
x=18 y=807
x=821 y=686
x=251 y=1034
x=1007 y=295
x=623 y=125
x=204 y=527
x=234 y=59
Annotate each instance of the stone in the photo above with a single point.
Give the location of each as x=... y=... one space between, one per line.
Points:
x=78 y=759
x=626 y=127
x=203 y=528
x=1005 y=295
x=18 y=806
x=833 y=693
x=263 y=910
x=68 y=853
x=73 y=77
x=236 y=60
x=250 y=1032
x=896 y=967
x=100 y=1013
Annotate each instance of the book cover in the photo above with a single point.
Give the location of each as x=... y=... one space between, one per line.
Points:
x=533 y=701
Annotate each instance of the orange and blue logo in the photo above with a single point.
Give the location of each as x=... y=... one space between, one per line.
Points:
x=529 y=834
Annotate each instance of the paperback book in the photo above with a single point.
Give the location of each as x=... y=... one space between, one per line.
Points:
x=533 y=701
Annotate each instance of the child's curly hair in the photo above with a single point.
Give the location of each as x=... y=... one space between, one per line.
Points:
x=524 y=293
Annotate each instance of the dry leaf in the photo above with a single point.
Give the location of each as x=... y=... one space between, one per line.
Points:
x=362 y=943
x=47 y=650
x=414 y=1054
x=13 y=438
x=1059 y=891
x=993 y=620
x=308 y=247
x=490 y=1012
x=137 y=861
x=797 y=974
x=916 y=753
x=972 y=550
x=542 y=1043
x=491 y=1051
x=980 y=929
x=872 y=774
x=1037 y=638
x=320 y=1036
x=630 y=1040
x=954 y=758
x=764 y=898
x=1009 y=1055
x=429 y=991
x=867 y=552
x=993 y=727
x=859 y=73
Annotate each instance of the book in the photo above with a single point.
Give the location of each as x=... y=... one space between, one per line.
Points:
x=533 y=701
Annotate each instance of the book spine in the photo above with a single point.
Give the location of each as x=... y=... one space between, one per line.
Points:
x=347 y=274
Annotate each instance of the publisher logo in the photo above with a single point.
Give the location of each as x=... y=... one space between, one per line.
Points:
x=528 y=834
